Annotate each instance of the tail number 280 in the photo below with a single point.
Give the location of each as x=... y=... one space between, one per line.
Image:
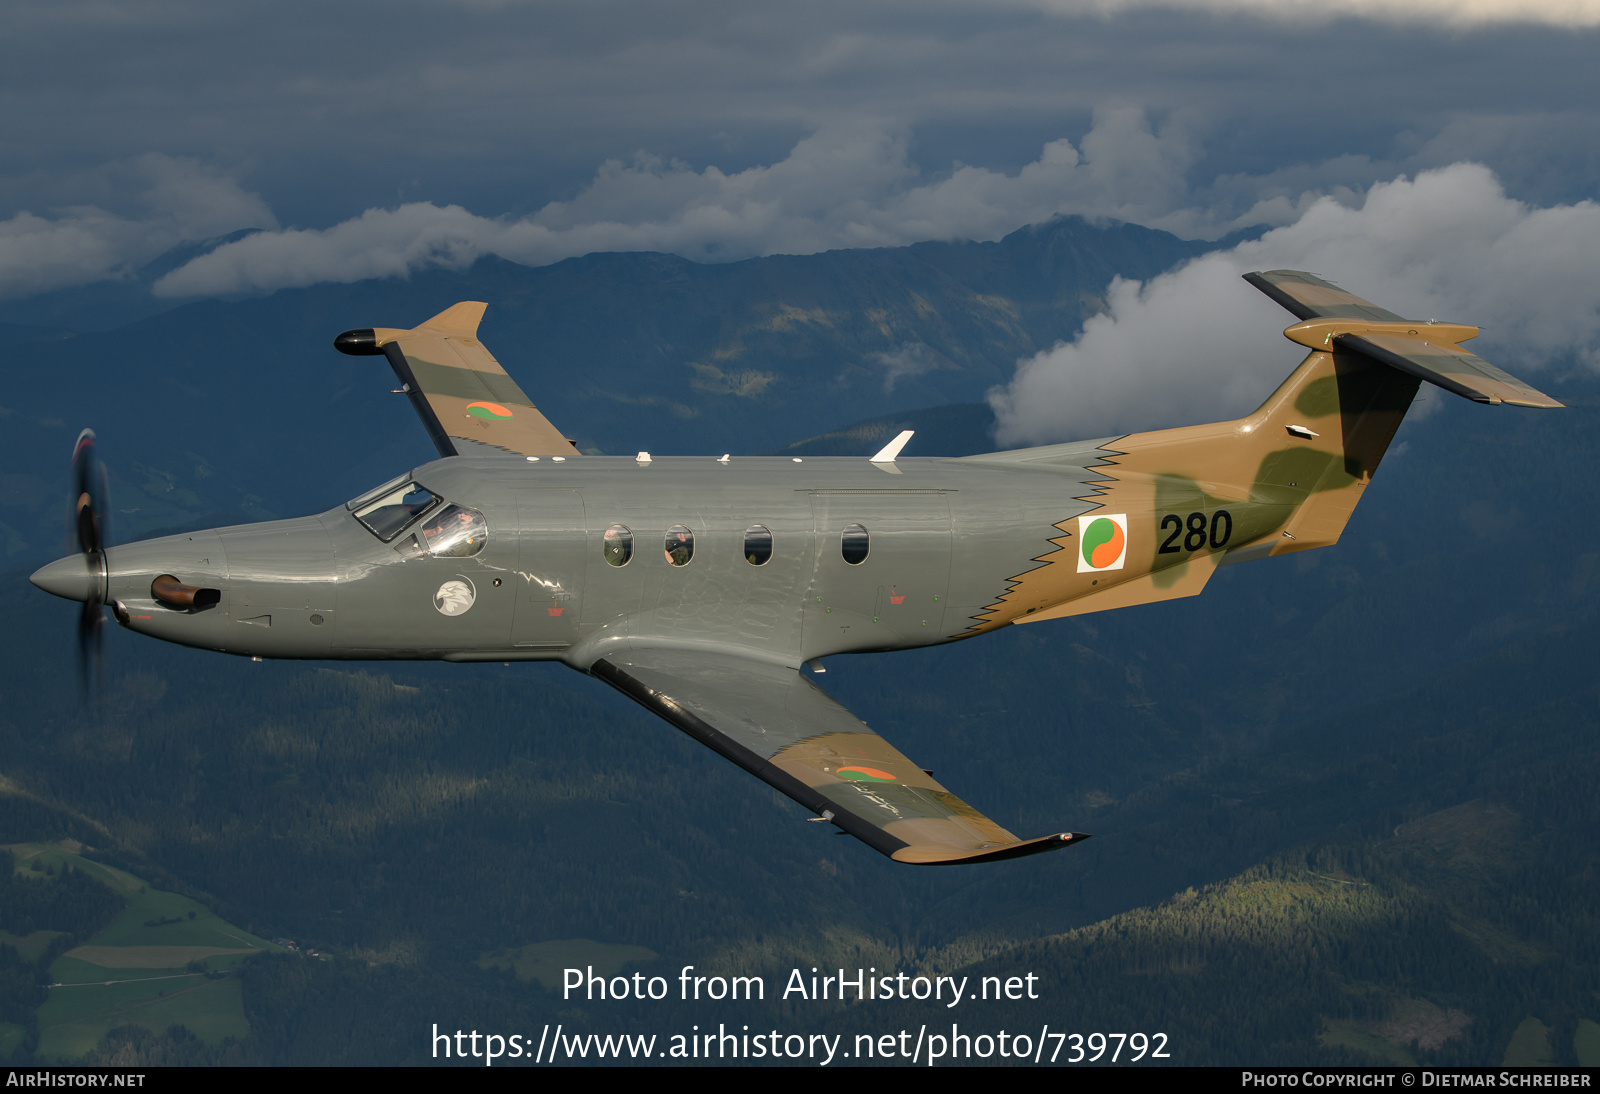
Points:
x=1195 y=532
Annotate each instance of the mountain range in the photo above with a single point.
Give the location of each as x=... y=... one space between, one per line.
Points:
x=1341 y=802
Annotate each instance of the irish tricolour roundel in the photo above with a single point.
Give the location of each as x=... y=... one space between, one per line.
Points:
x=488 y=411
x=1102 y=542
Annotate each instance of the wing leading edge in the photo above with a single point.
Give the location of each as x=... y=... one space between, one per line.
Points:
x=782 y=728
x=467 y=403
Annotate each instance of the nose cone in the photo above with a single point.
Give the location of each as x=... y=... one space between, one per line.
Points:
x=72 y=578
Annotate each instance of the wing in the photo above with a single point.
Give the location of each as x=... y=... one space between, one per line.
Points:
x=1335 y=319
x=782 y=728
x=465 y=399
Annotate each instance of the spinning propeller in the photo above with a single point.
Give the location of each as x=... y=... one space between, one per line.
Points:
x=90 y=526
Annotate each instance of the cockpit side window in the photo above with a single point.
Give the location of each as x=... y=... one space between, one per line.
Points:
x=456 y=532
x=377 y=492
x=387 y=515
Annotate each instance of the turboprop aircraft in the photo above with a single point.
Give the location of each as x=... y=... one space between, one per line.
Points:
x=701 y=587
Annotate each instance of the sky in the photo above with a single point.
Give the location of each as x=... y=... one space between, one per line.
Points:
x=1443 y=152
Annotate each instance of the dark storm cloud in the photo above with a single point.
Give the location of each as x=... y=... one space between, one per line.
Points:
x=403 y=133
x=326 y=109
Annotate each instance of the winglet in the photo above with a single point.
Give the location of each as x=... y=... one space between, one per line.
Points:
x=458 y=320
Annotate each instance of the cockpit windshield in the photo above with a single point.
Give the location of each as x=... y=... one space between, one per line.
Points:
x=387 y=515
x=455 y=533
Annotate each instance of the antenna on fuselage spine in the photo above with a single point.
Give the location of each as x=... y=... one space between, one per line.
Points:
x=889 y=451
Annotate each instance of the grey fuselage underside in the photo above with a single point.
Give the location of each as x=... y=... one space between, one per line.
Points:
x=945 y=536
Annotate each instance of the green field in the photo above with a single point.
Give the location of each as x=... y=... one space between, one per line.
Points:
x=140 y=970
x=1530 y=1045
x=544 y=961
x=1586 y=1043
x=74 y=1019
x=1360 y=1037
x=29 y=947
x=70 y=969
x=11 y=1037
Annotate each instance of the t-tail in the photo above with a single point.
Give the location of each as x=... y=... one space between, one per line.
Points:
x=1284 y=478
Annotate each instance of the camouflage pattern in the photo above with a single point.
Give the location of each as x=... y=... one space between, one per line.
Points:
x=784 y=729
x=1428 y=350
x=464 y=397
x=714 y=639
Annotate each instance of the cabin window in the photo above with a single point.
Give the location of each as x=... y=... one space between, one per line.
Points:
x=388 y=514
x=680 y=545
x=853 y=545
x=617 y=546
x=757 y=544
x=457 y=532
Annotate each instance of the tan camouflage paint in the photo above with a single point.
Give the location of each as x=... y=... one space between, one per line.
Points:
x=449 y=341
x=1336 y=319
x=937 y=825
x=1284 y=490
x=1289 y=475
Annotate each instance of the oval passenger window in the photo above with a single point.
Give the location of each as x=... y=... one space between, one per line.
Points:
x=757 y=545
x=853 y=545
x=617 y=545
x=680 y=545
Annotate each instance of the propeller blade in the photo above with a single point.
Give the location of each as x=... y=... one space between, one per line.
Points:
x=89 y=495
x=89 y=526
x=91 y=639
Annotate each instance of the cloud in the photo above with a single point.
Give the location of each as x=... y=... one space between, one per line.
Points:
x=503 y=107
x=1453 y=13
x=167 y=201
x=846 y=185
x=906 y=360
x=1198 y=344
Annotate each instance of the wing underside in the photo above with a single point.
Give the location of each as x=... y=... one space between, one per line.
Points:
x=782 y=728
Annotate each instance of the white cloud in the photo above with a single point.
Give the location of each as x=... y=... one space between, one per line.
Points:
x=1198 y=344
x=168 y=201
x=906 y=360
x=1453 y=13
x=844 y=186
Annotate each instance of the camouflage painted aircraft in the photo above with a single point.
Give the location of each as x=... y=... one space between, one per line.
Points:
x=701 y=587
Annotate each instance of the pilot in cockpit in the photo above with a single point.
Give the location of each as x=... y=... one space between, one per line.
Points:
x=456 y=533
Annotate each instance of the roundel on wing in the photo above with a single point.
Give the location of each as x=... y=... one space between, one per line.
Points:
x=1102 y=542
x=858 y=774
x=488 y=411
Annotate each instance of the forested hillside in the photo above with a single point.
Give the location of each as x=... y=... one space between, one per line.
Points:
x=1342 y=802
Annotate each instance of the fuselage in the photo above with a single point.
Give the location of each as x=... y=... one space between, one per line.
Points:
x=783 y=559
x=696 y=586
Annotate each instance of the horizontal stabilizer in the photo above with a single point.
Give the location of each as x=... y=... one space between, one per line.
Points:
x=1448 y=366
x=1307 y=297
x=1333 y=319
